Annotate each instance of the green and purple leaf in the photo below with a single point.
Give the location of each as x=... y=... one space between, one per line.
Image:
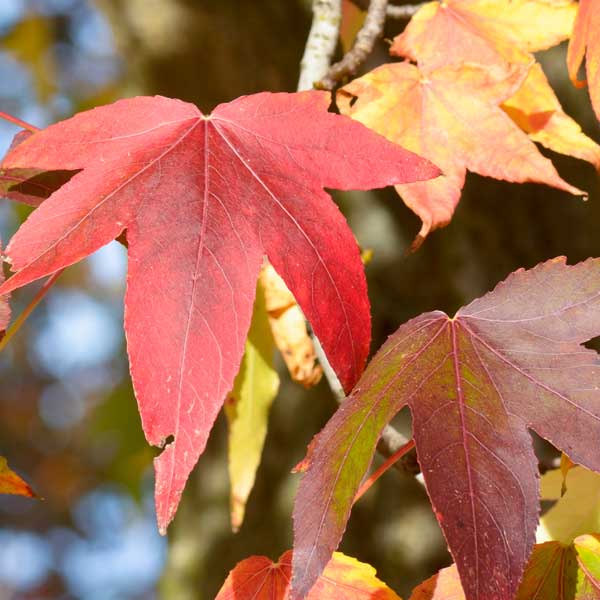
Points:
x=509 y=361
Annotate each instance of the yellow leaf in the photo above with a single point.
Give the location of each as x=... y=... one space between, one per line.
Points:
x=452 y=117
x=247 y=409
x=575 y=513
x=484 y=31
x=289 y=329
x=537 y=111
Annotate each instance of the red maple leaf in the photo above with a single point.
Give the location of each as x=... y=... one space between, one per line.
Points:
x=344 y=578
x=509 y=361
x=202 y=199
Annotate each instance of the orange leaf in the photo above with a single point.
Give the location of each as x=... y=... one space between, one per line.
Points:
x=352 y=20
x=484 y=31
x=444 y=585
x=586 y=35
x=537 y=111
x=344 y=578
x=288 y=327
x=11 y=483
x=451 y=116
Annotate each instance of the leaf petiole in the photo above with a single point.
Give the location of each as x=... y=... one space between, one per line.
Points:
x=383 y=468
x=10 y=332
x=18 y=122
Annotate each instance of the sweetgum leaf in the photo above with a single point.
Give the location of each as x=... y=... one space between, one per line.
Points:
x=563 y=571
x=11 y=483
x=509 y=361
x=537 y=111
x=247 y=409
x=202 y=199
x=585 y=41
x=452 y=116
x=498 y=32
x=555 y=572
x=288 y=326
x=576 y=512
x=550 y=574
x=344 y=578
x=444 y=585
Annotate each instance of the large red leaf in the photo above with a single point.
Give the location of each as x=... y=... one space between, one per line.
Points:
x=202 y=199
x=585 y=41
x=344 y=578
x=510 y=360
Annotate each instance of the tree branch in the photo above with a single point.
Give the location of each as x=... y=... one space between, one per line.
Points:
x=363 y=46
x=401 y=11
x=404 y=11
x=315 y=63
x=321 y=43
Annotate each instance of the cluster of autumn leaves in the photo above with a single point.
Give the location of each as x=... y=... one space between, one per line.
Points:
x=474 y=98
x=471 y=96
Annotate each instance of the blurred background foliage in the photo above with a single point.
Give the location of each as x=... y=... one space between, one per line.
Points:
x=68 y=418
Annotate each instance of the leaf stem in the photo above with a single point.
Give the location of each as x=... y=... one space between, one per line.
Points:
x=383 y=468
x=18 y=322
x=18 y=122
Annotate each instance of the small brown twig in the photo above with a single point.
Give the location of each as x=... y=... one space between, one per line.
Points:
x=404 y=11
x=363 y=46
x=390 y=462
x=401 y=11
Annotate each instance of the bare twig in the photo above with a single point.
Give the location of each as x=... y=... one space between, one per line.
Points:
x=405 y=11
x=390 y=462
x=18 y=322
x=313 y=68
x=402 y=11
x=321 y=43
x=363 y=46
